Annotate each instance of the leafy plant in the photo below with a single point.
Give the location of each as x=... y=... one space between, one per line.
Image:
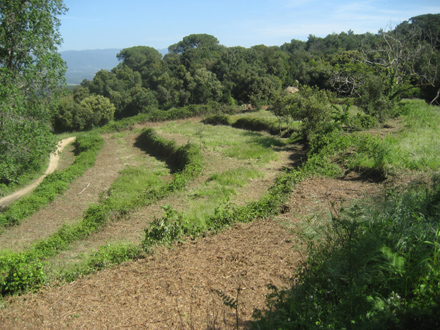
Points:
x=373 y=266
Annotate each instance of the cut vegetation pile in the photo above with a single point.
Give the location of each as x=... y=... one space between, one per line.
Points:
x=210 y=218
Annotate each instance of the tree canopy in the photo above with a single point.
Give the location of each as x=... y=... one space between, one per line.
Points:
x=31 y=73
x=375 y=69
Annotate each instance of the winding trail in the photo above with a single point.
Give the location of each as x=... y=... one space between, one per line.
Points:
x=53 y=164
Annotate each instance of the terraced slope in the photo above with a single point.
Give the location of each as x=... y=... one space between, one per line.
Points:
x=185 y=287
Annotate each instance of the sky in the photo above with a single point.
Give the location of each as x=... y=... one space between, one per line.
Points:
x=102 y=24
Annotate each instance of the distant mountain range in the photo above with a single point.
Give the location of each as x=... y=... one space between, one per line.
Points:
x=83 y=64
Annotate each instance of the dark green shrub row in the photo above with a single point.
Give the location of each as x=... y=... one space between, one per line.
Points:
x=157 y=115
x=20 y=272
x=251 y=124
x=218 y=119
x=257 y=124
x=186 y=161
x=374 y=266
x=87 y=148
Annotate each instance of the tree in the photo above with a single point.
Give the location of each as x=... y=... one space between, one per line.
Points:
x=31 y=73
x=136 y=58
x=100 y=108
x=92 y=111
x=194 y=41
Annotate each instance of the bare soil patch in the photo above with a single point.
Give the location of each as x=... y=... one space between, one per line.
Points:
x=169 y=290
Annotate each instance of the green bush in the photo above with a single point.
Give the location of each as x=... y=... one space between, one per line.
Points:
x=374 y=266
x=219 y=119
x=374 y=100
x=19 y=273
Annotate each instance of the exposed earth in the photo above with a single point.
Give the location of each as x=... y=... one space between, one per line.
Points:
x=181 y=287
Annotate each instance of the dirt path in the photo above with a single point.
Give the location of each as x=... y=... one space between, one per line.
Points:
x=69 y=207
x=53 y=164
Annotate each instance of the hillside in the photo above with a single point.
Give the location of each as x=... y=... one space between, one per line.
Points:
x=229 y=248
x=83 y=64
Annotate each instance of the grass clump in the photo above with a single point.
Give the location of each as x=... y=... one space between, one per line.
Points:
x=236 y=177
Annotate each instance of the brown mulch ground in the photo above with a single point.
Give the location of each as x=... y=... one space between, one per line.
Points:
x=182 y=287
x=175 y=289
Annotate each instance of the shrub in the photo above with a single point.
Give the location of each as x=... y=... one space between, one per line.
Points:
x=18 y=273
x=257 y=124
x=373 y=99
x=373 y=266
x=219 y=119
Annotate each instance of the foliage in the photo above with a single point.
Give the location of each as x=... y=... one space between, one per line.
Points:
x=93 y=110
x=220 y=119
x=194 y=41
x=311 y=106
x=257 y=124
x=20 y=275
x=31 y=72
x=373 y=98
x=374 y=266
x=377 y=68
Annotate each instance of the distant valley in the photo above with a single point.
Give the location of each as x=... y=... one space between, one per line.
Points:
x=83 y=64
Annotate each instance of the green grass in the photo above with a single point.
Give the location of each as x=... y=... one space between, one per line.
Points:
x=216 y=192
x=236 y=177
x=240 y=144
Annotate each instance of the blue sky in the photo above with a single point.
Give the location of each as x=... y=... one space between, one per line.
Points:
x=100 y=24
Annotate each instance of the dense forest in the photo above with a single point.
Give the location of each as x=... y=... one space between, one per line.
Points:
x=375 y=69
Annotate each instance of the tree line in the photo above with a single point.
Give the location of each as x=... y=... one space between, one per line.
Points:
x=374 y=68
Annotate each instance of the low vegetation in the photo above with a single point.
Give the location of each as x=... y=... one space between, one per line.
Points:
x=373 y=265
